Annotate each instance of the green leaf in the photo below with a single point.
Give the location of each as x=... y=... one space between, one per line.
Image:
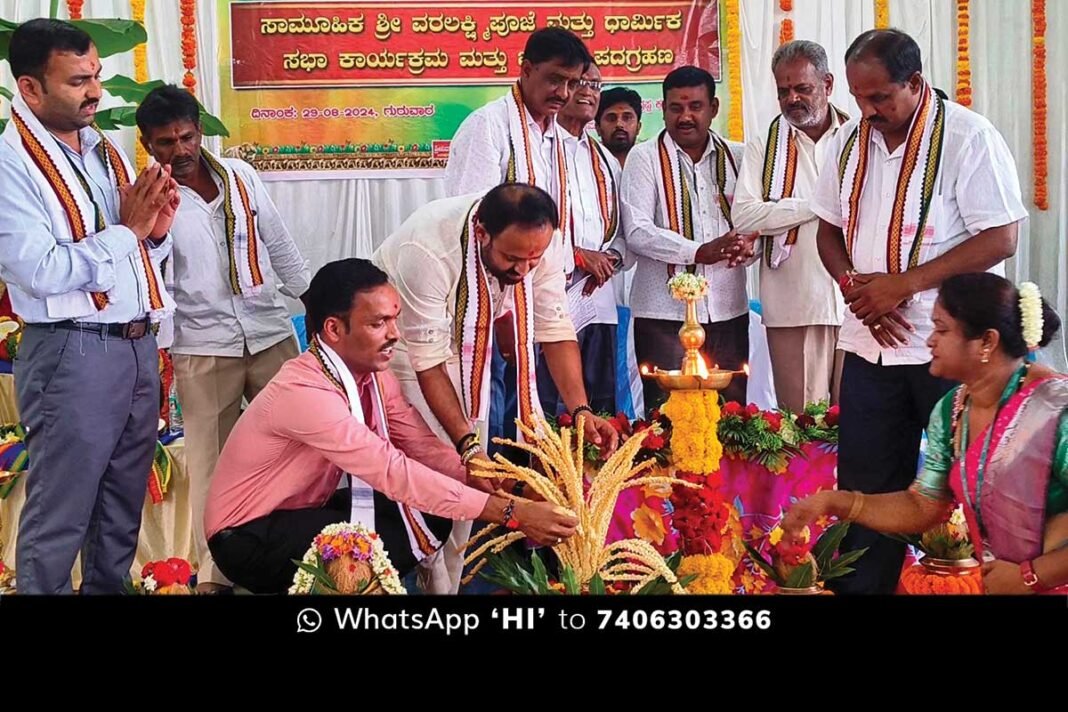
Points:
x=571 y=583
x=828 y=544
x=6 y=93
x=834 y=569
x=130 y=89
x=211 y=125
x=597 y=587
x=113 y=36
x=760 y=561
x=116 y=117
x=540 y=575
x=801 y=577
x=7 y=28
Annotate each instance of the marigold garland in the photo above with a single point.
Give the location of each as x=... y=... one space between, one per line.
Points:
x=713 y=571
x=189 y=44
x=1039 y=108
x=882 y=14
x=137 y=12
x=964 y=59
x=917 y=580
x=735 y=130
x=786 y=29
x=74 y=9
x=695 y=444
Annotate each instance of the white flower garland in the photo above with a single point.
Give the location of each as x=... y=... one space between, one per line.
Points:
x=380 y=563
x=1031 y=314
x=685 y=286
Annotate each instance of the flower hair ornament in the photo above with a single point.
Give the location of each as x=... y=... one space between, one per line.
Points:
x=1031 y=315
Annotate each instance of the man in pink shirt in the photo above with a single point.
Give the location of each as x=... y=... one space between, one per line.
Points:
x=337 y=409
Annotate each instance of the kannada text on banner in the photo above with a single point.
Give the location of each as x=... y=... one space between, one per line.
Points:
x=336 y=89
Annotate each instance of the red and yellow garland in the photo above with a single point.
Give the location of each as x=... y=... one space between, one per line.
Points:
x=882 y=14
x=786 y=29
x=964 y=59
x=735 y=131
x=189 y=44
x=1038 y=99
x=137 y=12
x=74 y=9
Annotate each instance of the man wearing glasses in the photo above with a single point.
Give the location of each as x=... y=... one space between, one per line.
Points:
x=596 y=247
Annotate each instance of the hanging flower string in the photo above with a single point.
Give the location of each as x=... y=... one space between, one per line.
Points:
x=882 y=14
x=734 y=68
x=189 y=44
x=74 y=9
x=137 y=11
x=964 y=59
x=786 y=29
x=1038 y=107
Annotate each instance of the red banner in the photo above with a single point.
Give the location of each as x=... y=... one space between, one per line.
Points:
x=448 y=43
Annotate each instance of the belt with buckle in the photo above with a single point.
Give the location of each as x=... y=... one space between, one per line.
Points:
x=131 y=330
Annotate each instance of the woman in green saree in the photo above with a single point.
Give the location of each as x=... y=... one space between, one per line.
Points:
x=997 y=444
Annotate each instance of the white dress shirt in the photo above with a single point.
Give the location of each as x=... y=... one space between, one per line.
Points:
x=210 y=319
x=656 y=247
x=35 y=265
x=424 y=261
x=588 y=225
x=977 y=189
x=478 y=154
x=800 y=291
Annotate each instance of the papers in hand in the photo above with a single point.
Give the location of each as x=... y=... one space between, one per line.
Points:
x=580 y=307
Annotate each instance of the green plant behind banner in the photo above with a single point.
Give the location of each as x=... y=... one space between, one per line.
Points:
x=113 y=36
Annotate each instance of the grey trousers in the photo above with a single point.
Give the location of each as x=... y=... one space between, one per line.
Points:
x=91 y=409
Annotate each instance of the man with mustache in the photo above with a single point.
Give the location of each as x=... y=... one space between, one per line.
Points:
x=459 y=264
x=676 y=196
x=81 y=240
x=801 y=306
x=598 y=249
x=336 y=412
x=915 y=190
x=232 y=257
x=619 y=121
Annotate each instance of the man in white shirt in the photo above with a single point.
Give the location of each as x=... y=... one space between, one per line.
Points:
x=232 y=256
x=593 y=194
x=458 y=265
x=619 y=121
x=669 y=234
x=80 y=246
x=916 y=190
x=515 y=139
x=801 y=306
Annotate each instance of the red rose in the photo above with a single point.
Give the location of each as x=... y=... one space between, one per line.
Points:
x=806 y=421
x=181 y=568
x=733 y=408
x=655 y=415
x=146 y=570
x=564 y=421
x=164 y=574
x=714 y=481
x=832 y=416
x=752 y=410
x=774 y=421
x=653 y=441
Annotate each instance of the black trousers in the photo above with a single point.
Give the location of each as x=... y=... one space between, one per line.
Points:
x=656 y=342
x=259 y=555
x=597 y=344
x=884 y=412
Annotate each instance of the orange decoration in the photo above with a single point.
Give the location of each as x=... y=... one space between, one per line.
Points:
x=917 y=580
x=964 y=60
x=189 y=44
x=786 y=32
x=1038 y=104
x=74 y=9
x=786 y=5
